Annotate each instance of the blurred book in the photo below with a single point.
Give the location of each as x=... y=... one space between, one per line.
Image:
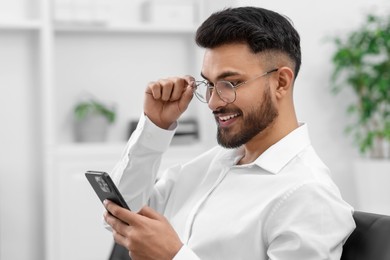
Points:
x=187 y=131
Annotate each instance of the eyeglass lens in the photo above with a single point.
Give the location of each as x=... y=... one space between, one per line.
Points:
x=224 y=90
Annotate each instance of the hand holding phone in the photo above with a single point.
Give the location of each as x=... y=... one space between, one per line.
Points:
x=105 y=188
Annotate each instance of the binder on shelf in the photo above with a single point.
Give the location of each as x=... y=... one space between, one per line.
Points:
x=187 y=131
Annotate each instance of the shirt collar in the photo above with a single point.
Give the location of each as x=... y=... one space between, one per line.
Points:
x=279 y=154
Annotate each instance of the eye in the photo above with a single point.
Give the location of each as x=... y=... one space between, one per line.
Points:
x=234 y=82
x=209 y=84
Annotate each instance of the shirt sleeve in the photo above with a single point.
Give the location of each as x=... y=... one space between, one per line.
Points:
x=136 y=172
x=185 y=253
x=310 y=222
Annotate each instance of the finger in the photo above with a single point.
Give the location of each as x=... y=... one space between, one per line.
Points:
x=121 y=231
x=179 y=87
x=154 y=88
x=189 y=79
x=116 y=224
x=120 y=239
x=151 y=213
x=167 y=87
x=186 y=98
x=125 y=215
x=117 y=211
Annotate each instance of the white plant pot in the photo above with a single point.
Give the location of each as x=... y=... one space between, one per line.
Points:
x=372 y=178
x=92 y=129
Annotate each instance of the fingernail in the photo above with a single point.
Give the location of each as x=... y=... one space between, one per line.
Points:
x=105 y=202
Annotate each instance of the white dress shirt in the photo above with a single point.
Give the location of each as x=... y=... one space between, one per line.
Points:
x=283 y=206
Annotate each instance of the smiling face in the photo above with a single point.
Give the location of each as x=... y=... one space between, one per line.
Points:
x=254 y=110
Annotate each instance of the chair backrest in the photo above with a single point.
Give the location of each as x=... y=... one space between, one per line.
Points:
x=371 y=238
x=119 y=253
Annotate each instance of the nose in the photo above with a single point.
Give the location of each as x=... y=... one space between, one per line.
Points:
x=215 y=101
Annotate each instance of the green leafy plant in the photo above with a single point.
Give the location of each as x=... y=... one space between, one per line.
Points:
x=93 y=107
x=362 y=63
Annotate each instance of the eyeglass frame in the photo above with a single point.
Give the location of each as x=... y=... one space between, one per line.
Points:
x=234 y=87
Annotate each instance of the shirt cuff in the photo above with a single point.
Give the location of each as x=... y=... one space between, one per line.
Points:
x=185 y=253
x=154 y=137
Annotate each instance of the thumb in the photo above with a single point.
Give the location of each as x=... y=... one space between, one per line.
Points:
x=150 y=213
x=186 y=98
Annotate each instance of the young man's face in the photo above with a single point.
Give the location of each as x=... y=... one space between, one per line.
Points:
x=254 y=109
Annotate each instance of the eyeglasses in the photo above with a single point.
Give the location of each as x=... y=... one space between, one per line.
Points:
x=225 y=89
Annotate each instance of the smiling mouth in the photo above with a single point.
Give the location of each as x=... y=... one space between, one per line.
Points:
x=226 y=120
x=228 y=117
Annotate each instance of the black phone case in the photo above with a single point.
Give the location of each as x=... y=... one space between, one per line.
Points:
x=105 y=188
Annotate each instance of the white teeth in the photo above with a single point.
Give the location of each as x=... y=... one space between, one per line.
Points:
x=224 y=118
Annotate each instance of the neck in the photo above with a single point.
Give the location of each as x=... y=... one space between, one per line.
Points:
x=281 y=127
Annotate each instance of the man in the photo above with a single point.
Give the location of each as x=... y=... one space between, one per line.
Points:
x=263 y=193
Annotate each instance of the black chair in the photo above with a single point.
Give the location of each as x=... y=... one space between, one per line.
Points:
x=119 y=253
x=371 y=238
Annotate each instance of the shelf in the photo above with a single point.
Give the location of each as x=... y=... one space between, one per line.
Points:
x=20 y=25
x=108 y=147
x=136 y=28
x=91 y=148
x=75 y=151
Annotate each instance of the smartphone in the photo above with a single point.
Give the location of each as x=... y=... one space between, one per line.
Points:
x=105 y=188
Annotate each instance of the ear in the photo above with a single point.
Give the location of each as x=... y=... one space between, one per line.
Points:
x=285 y=82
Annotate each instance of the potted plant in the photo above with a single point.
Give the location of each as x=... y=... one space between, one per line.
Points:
x=92 y=119
x=362 y=64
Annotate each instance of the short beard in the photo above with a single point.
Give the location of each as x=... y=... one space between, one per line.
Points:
x=257 y=120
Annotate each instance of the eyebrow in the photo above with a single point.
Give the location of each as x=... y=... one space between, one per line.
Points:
x=222 y=75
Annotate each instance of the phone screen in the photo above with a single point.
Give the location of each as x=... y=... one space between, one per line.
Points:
x=105 y=188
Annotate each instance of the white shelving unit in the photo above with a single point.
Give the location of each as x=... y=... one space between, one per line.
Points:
x=129 y=29
x=114 y=62
x=102 y=60
x=61 y=61
x=20 y=25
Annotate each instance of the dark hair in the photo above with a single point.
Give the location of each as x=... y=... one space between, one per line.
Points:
x=263 y=30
